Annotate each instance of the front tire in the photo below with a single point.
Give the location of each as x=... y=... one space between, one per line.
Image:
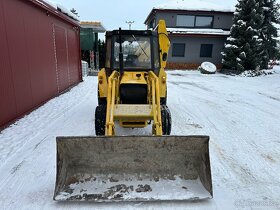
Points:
x=100 y=120
x=165 y=120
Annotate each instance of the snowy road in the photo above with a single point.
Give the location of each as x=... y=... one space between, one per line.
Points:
x=241 y=116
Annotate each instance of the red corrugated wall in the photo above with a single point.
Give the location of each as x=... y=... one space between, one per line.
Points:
x=39 y=56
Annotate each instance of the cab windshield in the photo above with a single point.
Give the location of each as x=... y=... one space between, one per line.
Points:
x=136 y=52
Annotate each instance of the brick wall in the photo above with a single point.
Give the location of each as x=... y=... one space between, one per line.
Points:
x=186 y=66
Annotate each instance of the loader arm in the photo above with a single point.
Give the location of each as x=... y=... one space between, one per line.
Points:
x=154 y=111
x=155 y=96
x=112 y=99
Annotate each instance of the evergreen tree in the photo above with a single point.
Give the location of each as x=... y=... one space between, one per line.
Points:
x=268 y=31
x=277 y=49
x=243 y=47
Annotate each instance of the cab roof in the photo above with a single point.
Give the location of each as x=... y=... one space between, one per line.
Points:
x=132 y=32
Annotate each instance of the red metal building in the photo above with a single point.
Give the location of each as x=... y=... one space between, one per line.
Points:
x=39 y=56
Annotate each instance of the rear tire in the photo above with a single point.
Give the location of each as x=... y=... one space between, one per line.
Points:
x=100 y=120
x=165 y=120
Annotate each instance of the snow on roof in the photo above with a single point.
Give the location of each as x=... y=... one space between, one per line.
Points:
x=60 y=8
x=95 y=25
x=194 y=5
x=54 y=5
x=198 y=31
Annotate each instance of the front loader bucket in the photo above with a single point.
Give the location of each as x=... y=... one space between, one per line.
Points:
x=133 y=168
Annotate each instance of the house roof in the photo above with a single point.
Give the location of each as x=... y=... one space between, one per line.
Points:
x=194 y=5
x=191 y=5
x=197 y=31
x=95 y=25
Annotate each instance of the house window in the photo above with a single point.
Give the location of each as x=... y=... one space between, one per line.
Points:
x=194 y=21
x=185 y=20
x=206 y=50
x=178 y=50
x=152 y=23
x=203 y=22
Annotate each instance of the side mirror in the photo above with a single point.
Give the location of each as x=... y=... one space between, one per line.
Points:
x=164 y=56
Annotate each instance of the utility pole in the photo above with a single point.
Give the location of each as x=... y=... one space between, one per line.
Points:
x=129 y=23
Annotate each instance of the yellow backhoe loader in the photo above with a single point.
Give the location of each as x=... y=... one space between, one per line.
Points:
x=132 y=91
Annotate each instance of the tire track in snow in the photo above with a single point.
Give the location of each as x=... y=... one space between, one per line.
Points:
x=27 y=155
x=237 y=167
x=31 y=187
x=13 y=141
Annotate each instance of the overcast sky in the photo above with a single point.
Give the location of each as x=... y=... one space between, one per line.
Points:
x=114 y=13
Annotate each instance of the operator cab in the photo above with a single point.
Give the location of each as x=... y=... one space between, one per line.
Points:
x=132 y=50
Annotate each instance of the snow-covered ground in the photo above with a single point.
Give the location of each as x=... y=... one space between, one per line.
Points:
x=241 y=115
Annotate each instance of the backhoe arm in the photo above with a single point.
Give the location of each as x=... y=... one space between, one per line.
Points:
x=164 y=42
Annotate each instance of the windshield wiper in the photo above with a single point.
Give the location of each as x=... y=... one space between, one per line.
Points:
x=139 y=45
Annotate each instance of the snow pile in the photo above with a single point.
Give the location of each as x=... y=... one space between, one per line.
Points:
x=197 y=31
x=194 y=5
x=251 y=73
